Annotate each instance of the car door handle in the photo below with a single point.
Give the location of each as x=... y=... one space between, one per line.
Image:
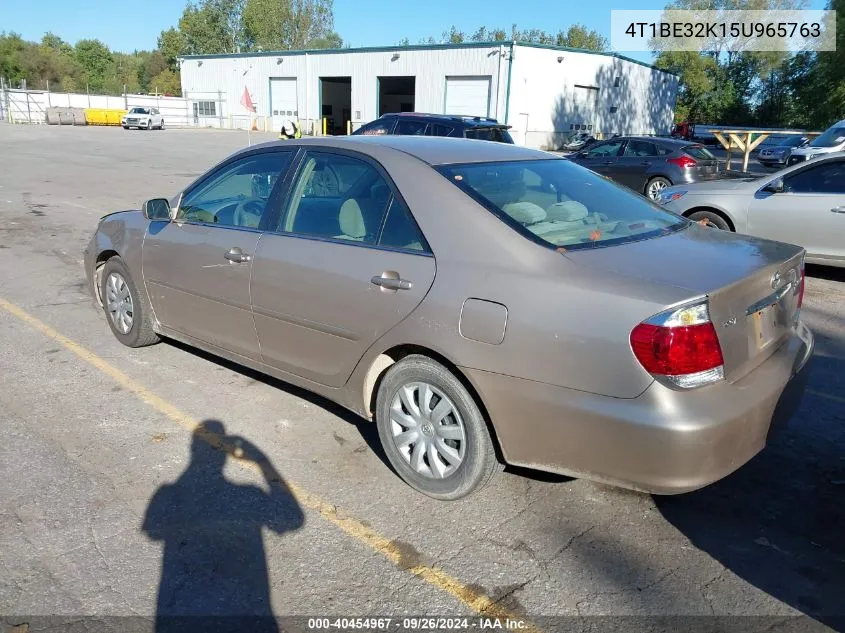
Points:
x=237 y=256
x=838 y=210
x=646 y=163
x=390 y=280
x=608 y=162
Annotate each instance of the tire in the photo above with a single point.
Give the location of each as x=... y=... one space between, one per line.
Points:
x=139 y=332
x=125 y=127
x=713 y=218
x=471 y=462
x=161 y=127
x=654 y=186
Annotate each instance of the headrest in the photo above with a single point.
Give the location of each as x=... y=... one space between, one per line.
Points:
x=525 y=212
x=567 y=211
x=351 y=220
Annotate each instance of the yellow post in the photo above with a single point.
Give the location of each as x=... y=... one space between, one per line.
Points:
x=348 y=128
x=325 y=122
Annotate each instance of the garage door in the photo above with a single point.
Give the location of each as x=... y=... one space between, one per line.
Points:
x=469 y=96
x=282 y=100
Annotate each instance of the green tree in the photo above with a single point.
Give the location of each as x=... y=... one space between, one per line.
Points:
x=172 y=44
x=12 y=49
x=579 y=36
x=212 y=26
x=166 y=82
x=94 y=59
x=289 y=24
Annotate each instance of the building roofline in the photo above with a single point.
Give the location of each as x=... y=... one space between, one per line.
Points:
x=587 y=51
x=362 y=49
x=422 y=47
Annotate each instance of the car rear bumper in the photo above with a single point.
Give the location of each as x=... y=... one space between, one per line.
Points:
x=663 y=441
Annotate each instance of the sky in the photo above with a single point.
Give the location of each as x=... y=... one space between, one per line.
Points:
x=127 y=26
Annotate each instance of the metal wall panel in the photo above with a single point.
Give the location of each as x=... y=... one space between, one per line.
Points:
x=548 y=88
x=229 y=75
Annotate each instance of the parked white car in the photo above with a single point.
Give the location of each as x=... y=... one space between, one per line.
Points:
x=143 y=119
x=830 y=142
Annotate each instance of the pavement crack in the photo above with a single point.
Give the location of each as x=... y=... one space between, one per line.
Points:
x=97 y=545
x=511 y=590
x=569 y=543
x=660 y=579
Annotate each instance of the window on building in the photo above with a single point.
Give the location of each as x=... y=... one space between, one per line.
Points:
x=206 y=108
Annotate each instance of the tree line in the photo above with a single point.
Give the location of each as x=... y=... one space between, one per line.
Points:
x=763 y=89
x=205 y=27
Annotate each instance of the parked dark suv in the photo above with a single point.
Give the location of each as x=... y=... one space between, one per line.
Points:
x=420 y=124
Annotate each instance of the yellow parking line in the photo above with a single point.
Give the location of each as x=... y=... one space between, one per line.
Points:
x=472 y=598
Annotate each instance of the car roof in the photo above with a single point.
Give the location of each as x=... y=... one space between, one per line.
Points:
x=470 y=121
x=434 y=150
x=660 y=140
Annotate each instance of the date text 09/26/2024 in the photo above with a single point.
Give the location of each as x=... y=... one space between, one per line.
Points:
x=417 y=624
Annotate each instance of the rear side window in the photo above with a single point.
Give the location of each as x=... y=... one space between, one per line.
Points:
x=699 y=151
x=337 y=197
x=411 y=127
x=486 y=134
x=560 y=204
x=437 y=129
x=640 y=148
x=400 y=230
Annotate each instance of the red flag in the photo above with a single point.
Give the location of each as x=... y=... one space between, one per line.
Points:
x=246 y=101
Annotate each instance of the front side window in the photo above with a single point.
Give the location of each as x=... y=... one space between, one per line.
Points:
x=639 y=148
x=561 y=204
x=238 y=194
x=833 y=137
x=411 y=127
x=828 y=177
x=603 y=150
x=339 y=197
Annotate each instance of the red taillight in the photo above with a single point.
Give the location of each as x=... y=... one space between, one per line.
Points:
x=676 y=351
x=682 y=161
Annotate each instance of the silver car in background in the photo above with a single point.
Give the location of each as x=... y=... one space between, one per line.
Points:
x=803 y=204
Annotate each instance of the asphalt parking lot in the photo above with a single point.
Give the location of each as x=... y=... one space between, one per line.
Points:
x=96 y=438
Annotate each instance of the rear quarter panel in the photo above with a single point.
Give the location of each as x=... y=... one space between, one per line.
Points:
x=567 y=325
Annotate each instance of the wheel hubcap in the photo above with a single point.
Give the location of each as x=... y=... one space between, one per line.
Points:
x=427 y=430
x=655 y=188
x=119 y=303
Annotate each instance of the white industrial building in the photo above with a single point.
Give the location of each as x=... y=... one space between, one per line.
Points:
x=543 y=92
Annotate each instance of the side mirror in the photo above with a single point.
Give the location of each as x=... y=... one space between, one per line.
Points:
x=776 y=186
x=156 y=209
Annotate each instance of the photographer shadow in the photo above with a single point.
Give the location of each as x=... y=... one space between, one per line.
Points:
x=214 y=569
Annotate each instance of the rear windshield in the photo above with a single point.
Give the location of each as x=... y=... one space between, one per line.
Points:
x=699 y=151
x=498 y=134
x=833 y=137
x=561 y=204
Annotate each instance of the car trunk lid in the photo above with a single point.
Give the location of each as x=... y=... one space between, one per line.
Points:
x=752 y=285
